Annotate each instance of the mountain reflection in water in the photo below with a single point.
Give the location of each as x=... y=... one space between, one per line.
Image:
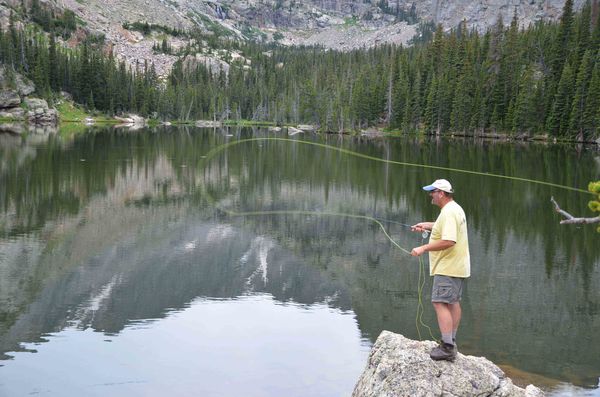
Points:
x=118 y=270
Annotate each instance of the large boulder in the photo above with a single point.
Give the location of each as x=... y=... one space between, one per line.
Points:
x=36 y=103
x=132 y=122
x=39 y=113
x=9 y=99
x=399 y=366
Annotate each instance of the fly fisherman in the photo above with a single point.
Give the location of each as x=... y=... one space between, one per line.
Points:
x=449 y=264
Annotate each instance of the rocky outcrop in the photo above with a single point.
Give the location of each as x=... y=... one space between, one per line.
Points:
x=15 y=104
x=9 y=99
x=191 y=62
x=39 y=113
x=399 y=366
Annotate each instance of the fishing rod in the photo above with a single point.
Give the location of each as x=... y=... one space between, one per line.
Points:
x=424 y=234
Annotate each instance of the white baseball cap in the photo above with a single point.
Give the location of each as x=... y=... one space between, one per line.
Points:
x=440 y=184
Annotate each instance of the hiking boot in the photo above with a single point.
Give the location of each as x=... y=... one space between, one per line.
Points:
x=444 y=351
x=441 y=342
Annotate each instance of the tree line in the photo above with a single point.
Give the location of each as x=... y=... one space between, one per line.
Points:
x=541 y=79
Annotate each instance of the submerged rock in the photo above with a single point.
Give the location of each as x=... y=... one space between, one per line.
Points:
x=399 y=366
x=293 y=131
x=306 y=127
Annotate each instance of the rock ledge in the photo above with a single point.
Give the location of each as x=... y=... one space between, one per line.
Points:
x=399 y=366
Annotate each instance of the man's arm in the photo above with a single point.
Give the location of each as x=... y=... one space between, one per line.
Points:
x=422 y=227
x=437 y=245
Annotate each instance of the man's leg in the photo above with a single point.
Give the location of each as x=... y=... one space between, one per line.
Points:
x=445 y=351
x=445 y=320
x=445 y=295
x=456 y=313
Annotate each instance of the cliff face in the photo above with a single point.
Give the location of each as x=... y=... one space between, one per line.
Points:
x=298 y=21
x=377 y=13
x=483 y=14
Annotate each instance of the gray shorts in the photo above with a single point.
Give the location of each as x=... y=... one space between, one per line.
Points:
x=447 y=289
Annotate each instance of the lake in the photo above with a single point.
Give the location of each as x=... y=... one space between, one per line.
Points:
x=188 y=261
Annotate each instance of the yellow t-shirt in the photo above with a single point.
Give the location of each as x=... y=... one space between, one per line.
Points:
x=451 y=225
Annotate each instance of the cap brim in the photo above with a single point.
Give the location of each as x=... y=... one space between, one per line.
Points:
x=429 y=188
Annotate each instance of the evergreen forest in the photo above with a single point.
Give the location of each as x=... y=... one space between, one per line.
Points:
x=540 y=79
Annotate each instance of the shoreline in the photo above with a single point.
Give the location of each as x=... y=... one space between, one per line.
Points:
x=372 y=132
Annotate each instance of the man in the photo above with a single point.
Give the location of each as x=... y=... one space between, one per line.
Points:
x=449 y=264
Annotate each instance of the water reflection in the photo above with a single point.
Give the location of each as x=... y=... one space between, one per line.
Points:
x=109 y=229
x=250 y=346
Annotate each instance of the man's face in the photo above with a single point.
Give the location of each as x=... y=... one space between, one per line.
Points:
x=436 y=196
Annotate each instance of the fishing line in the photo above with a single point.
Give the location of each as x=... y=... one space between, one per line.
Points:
x=220 y=148
x=422 y=277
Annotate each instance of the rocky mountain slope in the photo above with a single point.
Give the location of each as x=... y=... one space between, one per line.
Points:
x=300 y=22
x=337 y=24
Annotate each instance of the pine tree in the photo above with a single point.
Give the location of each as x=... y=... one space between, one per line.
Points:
x=431 y=110
x=400 y=94
x=584 y=29
x=595 y=36
x=558 y=120
x=462 y=104
x=577 y=121
x=525 y=104
x=563 y=39
x=53 y=64
x=84 y=76
x=591 y=115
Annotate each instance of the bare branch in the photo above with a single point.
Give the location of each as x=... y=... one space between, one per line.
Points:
x=570 y=218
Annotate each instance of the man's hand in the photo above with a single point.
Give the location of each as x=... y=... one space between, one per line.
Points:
x=422 y=227
x=437 y=245
x=418 y=251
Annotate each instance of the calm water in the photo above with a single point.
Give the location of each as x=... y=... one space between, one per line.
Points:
x=124 y=269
